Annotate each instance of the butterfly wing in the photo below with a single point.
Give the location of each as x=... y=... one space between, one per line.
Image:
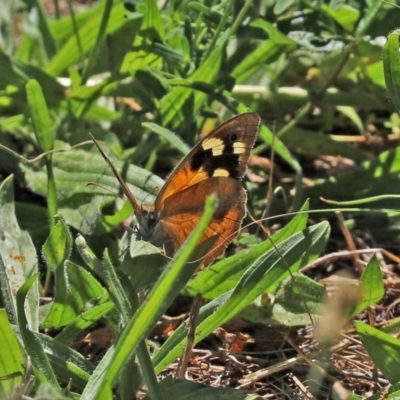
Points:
x=224 y=152
x=215 y=165
x=183 y=210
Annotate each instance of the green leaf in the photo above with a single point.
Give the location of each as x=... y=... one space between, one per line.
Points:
x=282 y=5
x=383 y=349
x=40 y=362
x=152 y=26
x=44 y=136
x=111 y=221
x=11 y=357
x=372 y=288
x=101 y=35
x=346 y=16
x=168 y=135
x=49 y=44
x=297 y=298
x=368 y=18
x=73 y=170
x=391 y=67
x=75 y=288
x=70 y=366
x=18 y=259
x=115 y=288
x=80 y=204
x=151 y=34
x=58 y=245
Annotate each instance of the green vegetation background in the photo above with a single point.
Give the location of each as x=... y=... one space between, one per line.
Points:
x=145 y=78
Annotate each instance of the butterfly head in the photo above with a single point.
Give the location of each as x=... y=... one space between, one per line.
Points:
x=147 y=220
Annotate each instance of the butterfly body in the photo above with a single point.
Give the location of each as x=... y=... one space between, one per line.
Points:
x=215 y=166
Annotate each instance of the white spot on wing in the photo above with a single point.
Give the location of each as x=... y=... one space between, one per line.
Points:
x=220 y=172
x=216 y=145
x=239 y=148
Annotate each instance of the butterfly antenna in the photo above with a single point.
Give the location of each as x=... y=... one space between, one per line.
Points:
x=104 y=188
x=121 y=181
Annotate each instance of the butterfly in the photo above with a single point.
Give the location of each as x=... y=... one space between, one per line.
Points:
x=215 y=165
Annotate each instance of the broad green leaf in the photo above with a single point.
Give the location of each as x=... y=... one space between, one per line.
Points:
x=144 y=56
x=391 y=67
x=144 y=265
x=375 y=73
x=368 y=18
x=372 y=288
x=31 y=217
x=168 y=135
x=297 y=298
x=73 y=170
x=58 y=245
x=45 y=138
x=75 y=288
x=79 y=204
x=346 y=16
x=11 y=357
x=281 y=6
x=124 y=214
x=47 y=39
x=18 y=260
x=100 y=38
x=152 y=27
x=383 y=349
x=140 y=248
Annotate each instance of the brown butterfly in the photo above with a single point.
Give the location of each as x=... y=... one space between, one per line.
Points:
x=216 y=165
